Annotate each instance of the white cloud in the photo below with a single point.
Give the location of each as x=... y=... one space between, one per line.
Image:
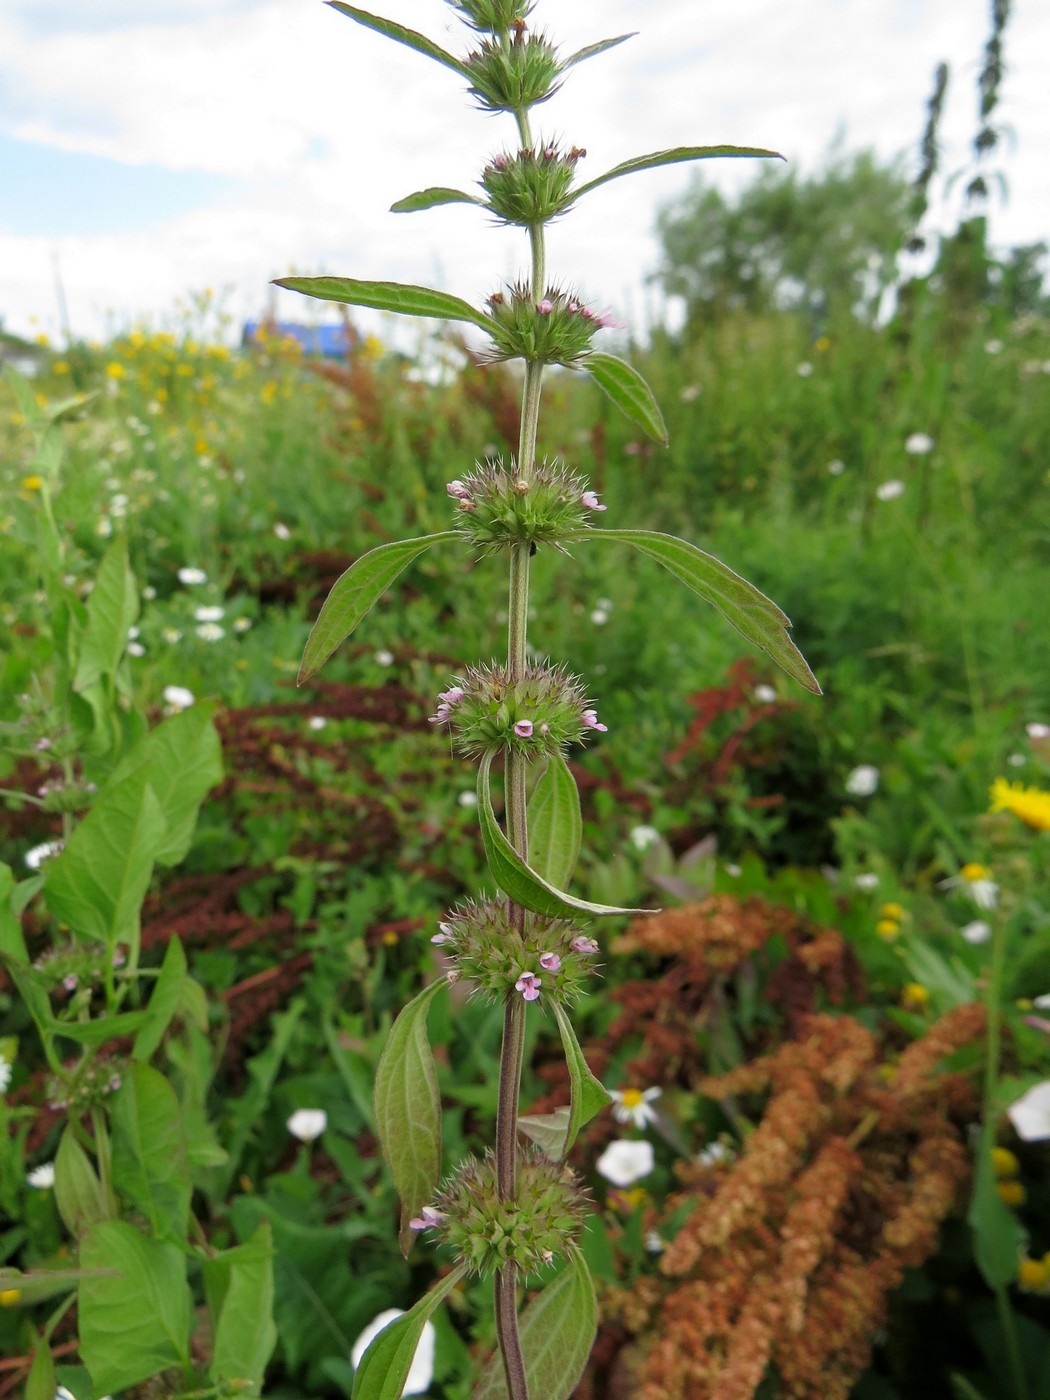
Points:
x=320 y=126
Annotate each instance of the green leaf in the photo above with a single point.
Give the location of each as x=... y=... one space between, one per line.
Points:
x=164 y=1001
x=112 y=608
x=549 y=1131
x=183 y=759
x=408 y=37
x=240 y=1291
x=149 y=1150
x=557 y=1332
x=98 y=1032
x=431 y=198
x=98 y=883
x=355 y=592
x=136 y=1321
x=385 y=1365
x=589 y=1095
x=78 y=1192
x=998 y=1236
x=739 y=602
x=402 y=297
x=554 y=823
x=600 y=47
x=672 y=157
x=31 y=985
x=629 y=392
x=516 y=877
x=408 y=1110
x=38 y=1285
x=40 y=1383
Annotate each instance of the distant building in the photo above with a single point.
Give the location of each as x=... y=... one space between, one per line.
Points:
x=329 y=342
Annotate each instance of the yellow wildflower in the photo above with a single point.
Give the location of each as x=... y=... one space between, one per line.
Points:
x=915 y=997
x=1033 y=1274
x=269 y=391
x=9 y=1297
x=115 y=370
x=390 y=938
x=32 y=483
x=892 y=911
x=1011 y=1193
x=60 y=367
x=888 y=929
x=822 y=343
x=1004 y=1162
x=1031 y=805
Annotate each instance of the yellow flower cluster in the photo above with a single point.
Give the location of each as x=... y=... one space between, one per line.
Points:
x=1031 y=805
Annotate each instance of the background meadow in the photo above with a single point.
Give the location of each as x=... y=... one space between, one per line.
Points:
x=835 y=879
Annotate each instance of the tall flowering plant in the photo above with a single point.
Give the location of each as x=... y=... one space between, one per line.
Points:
x=519 y=1211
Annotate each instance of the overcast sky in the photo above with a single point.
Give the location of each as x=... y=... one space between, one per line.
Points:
x=150 y=148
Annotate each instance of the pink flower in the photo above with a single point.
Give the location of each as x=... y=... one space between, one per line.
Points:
x=528 y=984
x=429 y=1220
x=444 y=714
x=457 y=490
x=550 y=962
x=443 y=935
x=582 y=944
x=452 y=696
x=545 y=307
x=589 y=501
x=523 y=729
x=589 y=720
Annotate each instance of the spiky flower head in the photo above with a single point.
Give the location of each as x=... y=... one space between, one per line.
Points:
x=493 y=16
x=482 y=943
x=544 y=1218
x=532 y=187
x=509 y=77
x=496 y=509
x=555 y=330
x=539 y=713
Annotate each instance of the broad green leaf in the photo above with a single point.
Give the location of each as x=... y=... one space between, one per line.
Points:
x=40 y=1383
x=165 y=1000
x=672 y=157
x=149 y=1150
x=98 y=1032
x=136 y=1321
x=739 y=602
x=998 y=1236
x=408 y=1110
x=589 y=1095
x=355 y=593
x=79 y=1196
x=600 y=47
x=183 y=758
x=557 y=1332
x=112 y=608
x=549 y=1131
x=629 y=392
x=240 y=1291
x=431 y=198
x=98 y=883
x=555 y=824
x=402 y=297
x=408 y=37
x=516 y=877
x=385 y=1365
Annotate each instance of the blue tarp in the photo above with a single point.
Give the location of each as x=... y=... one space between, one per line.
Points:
x=332 y=342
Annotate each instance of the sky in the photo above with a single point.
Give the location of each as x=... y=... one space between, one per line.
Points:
x=150 y=149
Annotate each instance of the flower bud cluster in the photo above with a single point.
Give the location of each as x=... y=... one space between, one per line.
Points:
x=545 y=1216
x=89 y=1089
x=556 y=330
x=485 y=949
x=498 y=509
x=535 y=715
x=531 y=187
x=493 y=16
x=511 y=77
x=78 y=970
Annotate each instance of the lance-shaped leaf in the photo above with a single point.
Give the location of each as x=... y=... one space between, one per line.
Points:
x=629 y=392
x=402 y=297
x=408 y=37
x=557 y=1332
x=739 y=602
x=600 y=47
x=355 y=592
x=431 y=198
x=112 y=608
x=408 y=1110
x=589 y=1095
x=384 y=1367
x=555 y=824
x=672 y=157
x=516 y=877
